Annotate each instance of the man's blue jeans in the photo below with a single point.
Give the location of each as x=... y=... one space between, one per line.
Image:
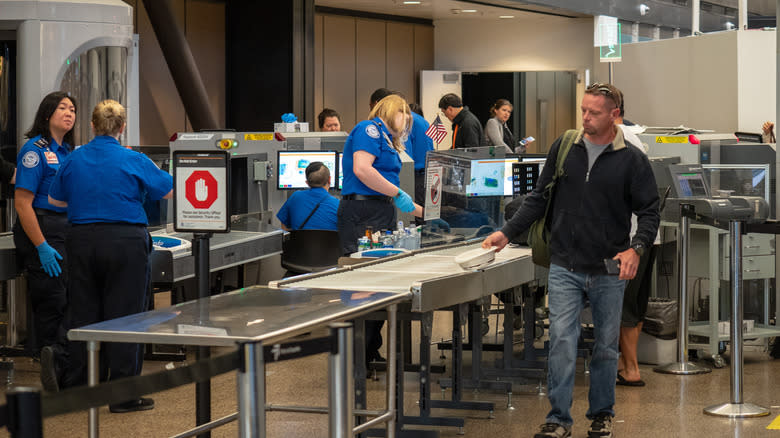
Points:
x=567 y=293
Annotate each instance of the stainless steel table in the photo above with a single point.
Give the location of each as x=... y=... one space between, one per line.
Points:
x=249 y=318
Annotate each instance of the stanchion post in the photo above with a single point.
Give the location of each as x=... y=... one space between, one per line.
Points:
x=341 y=391
x=682 y=366
x=251 y=392
x=736 y=408
x=200 y=252
x=24 y=412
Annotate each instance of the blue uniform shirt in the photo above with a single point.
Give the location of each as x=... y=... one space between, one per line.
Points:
x=373 y=137
x=104 y=182
x=418 y=144
x=36 y=165
x=300 y=205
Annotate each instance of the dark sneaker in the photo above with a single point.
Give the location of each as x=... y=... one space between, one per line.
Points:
x=49 y=370
x=552 y=430
x=142 y=404
x=601 y=427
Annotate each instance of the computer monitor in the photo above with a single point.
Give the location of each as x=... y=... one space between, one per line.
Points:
x=487 y=177
x=291 y=167
x=688 y=181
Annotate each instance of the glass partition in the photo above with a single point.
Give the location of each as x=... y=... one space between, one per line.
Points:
x=92 y=76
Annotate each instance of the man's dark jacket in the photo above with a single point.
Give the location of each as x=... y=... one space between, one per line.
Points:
x=469 y=130
x=590 y=219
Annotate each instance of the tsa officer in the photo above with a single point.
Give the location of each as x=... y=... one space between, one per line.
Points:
x=103 y=185
x=370 y=191
x=418 y=145
x=39 y=232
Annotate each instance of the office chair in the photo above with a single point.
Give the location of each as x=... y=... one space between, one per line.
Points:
x=305 y=251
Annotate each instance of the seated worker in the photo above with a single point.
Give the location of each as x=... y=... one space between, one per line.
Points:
x=329 y=120
x=313 y=209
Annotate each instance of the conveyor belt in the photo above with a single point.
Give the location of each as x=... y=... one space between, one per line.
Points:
x=432 y=276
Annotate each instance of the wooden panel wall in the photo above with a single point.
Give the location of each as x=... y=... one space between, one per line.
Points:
x=358 y=55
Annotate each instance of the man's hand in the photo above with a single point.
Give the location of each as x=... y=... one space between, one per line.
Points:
x=629 y=262
x=768 y=127
x=497 y=239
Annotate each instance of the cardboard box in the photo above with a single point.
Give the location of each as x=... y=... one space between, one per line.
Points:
x=291 y=127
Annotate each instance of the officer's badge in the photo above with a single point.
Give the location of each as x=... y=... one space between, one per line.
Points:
x=372 y=131
x=30 y=159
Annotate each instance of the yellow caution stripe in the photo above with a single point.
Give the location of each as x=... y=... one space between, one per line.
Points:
x=668 y=139
x=259 y=137
x=775 y=424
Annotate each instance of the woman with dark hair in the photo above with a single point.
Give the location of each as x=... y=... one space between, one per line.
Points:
x=39 y=232
x=496 y=131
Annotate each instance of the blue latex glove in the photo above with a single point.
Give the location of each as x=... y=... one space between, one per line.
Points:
x=289 y=118
x=404 y=202
x=48 y=257
x=440 y=224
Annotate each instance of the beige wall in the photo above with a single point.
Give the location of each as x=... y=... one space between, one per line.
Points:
x=161 y=110
x=699 y=82
x=355 y=56
x=540 y=43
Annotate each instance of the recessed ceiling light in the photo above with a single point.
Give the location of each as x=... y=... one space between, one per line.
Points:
x=467 y=11
x=412 y=3
x=506 y=16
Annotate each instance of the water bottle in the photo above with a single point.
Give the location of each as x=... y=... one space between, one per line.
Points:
x=387 y=241
x=364 y=244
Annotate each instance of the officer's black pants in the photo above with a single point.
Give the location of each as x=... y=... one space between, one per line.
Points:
x=353 y=218
x=109 y=265
x=47 y=294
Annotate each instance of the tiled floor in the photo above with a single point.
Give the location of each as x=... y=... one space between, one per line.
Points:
x=669 y=406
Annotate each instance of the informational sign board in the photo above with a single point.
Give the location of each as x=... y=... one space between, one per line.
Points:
x=200 y=186
x=608 y=39
x=433 y=193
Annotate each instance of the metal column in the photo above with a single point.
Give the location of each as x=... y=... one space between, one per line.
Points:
x=340 y=382
x=200 y=252
x=251 y=392
x=736 y=408
x=682 y=366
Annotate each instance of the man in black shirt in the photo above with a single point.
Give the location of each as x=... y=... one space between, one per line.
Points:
x=466 y=129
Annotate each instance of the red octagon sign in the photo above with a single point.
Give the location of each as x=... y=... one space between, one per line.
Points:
x=201 y=194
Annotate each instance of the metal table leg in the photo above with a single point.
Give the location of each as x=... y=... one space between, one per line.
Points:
x=251 y=392
x=93 y=375
x=340 y=381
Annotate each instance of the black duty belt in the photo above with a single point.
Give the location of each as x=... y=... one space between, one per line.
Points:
x=45 y=212
x=356 y=197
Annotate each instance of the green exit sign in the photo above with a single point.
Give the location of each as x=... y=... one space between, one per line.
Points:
x=612 y=50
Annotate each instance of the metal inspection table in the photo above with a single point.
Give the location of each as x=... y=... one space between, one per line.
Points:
x=247 y=242
x=436 y=283
x=248 y=318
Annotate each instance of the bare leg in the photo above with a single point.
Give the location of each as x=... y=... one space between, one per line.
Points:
x=629 y=336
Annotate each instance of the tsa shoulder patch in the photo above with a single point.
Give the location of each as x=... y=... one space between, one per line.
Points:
x=372 y=131
x=30 y=159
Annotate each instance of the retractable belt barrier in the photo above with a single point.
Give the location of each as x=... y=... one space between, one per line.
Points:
x=86 y=397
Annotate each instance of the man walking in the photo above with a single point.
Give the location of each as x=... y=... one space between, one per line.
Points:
x=605 y=179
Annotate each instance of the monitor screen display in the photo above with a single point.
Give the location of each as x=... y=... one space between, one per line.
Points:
x=340 y=171
x=691 y=184
x=487 y=178
x=291 y=167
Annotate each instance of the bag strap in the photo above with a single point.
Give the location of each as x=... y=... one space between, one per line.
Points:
x=311 y=214
x=566 y=143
